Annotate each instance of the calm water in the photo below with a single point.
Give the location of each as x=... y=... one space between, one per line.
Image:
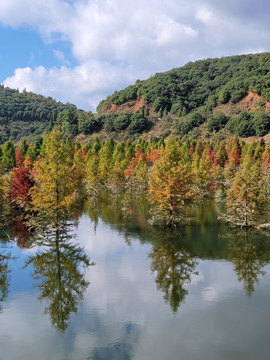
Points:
x=202 y=293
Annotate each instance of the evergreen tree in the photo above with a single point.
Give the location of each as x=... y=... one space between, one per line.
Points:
x=24 y=147
x=8 y=157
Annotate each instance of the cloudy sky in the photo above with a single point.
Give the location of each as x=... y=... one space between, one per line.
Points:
x=80 y=51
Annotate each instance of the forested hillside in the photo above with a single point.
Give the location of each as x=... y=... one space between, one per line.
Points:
x=197 y=93
x=24 y=114
x=230 y=94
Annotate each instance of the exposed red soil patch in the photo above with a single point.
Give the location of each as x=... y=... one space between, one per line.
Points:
x=250 y=102
x=130 y=106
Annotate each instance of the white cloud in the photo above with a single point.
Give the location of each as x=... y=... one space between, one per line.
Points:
x=85 y=84
x=170 y=32
x=115 y=42
x=61 y=57
x=204 y=15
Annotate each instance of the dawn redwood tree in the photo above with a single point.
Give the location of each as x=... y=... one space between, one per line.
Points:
x=21 y=183
x=2 y=186
x=245 y=198
x=116 y=179
x=19 y=157
x=56 y=179
x=236 y=152
x=24 y=147
x=170 y=186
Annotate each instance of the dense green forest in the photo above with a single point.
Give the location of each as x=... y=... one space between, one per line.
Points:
x=229 y=95
x=196 y=93
x=25 y=114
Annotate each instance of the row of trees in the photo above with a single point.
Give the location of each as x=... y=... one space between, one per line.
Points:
x=172 y=176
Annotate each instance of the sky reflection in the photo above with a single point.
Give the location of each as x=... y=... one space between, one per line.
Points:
x=124 y=316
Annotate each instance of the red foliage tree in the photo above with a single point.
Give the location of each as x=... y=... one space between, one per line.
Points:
x=139 y=155
x=236 y=151
x=19 y=157
x=211 y=154
x=21 y=183
x=152 y=156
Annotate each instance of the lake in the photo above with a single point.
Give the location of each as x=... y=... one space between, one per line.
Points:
x=106 y=291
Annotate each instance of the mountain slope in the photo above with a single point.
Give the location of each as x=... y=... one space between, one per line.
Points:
x=189 y=87
x=26 y=114
x=213 y=92
x=198 y=99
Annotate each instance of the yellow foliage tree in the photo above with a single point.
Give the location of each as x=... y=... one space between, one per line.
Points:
x=56 y=179
x=170 y=187
x=246 y=199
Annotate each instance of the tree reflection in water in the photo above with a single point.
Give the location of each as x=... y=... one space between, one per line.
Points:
x=5 y=257
x=59 y=267
x=249 y=252
x=173 y=268
x=4 y=276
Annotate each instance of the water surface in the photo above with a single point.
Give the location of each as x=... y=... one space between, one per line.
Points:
x=198 y=293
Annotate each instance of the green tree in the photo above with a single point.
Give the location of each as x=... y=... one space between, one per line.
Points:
x=69 y=121
x=24 y=147
x=8 y=157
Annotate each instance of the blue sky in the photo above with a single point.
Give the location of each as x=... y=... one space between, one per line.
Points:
x=80 y=51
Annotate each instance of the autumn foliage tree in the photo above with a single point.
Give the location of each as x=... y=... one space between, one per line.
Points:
x=2 y=188
x=246 y=200
x=56 y=179
x=19 y=159
x=170 y=186
x=21 y=183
